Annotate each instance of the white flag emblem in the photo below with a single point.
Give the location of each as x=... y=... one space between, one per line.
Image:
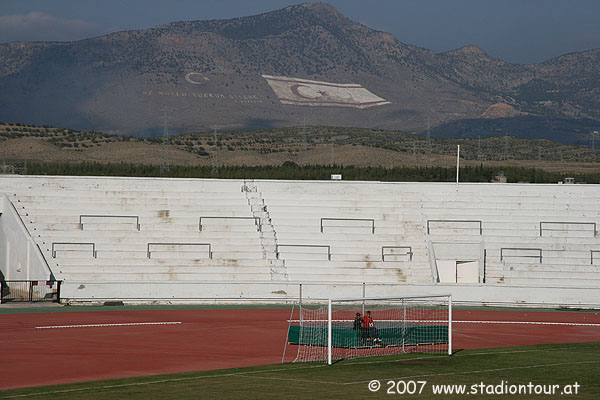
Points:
x=315 y=93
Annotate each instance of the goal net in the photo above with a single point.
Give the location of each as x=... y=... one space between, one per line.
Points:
x=364 y=327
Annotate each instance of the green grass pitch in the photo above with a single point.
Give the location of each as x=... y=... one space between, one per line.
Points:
x=563 y=367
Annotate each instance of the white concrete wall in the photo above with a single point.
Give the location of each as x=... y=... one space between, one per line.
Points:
x=20 y=257
x=236 y=292
x=506 y=216
x=291 y=211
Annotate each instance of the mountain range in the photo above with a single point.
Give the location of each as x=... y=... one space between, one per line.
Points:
x=304 y=64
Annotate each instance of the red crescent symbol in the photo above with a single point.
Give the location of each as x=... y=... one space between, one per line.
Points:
x=294 y=89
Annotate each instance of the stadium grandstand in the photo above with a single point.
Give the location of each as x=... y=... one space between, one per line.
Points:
x=142 y=240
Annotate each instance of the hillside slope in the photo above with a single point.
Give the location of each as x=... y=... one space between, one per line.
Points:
x=210 y=74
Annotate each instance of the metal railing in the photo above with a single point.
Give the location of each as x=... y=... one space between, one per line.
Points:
x=137 y=218
x=456 y=220
x=484 y=272
x=27 y=230
x=149 y=253
x=30 y=291
x=542 y=229
x=502 y=256
x=256 y=221
x=19 y=215
x=43 y=255
x=409 y=253
x=94 y=252
x=372 y=221
x=304 y=245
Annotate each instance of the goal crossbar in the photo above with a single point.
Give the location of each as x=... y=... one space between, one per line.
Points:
x=359 y=299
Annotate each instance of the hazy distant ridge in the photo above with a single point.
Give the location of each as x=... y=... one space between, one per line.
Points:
x=120 y=82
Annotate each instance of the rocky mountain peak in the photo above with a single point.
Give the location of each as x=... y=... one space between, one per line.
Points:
x=212 y=73
x=468 y=50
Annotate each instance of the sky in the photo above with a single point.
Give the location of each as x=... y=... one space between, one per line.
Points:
x=518 y=31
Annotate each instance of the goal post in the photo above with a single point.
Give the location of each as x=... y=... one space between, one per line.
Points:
x=336 y=329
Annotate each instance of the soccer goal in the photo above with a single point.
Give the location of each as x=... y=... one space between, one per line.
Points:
x=363 y=327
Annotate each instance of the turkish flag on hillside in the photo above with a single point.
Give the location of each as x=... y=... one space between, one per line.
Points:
x=317 y=93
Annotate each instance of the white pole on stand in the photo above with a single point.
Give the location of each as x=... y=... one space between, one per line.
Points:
x=457 y=165
x=300 y=302
x=450 y=325
x=363 y=302
x=329 y=332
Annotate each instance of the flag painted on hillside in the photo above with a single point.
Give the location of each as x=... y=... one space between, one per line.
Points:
x=316 y=93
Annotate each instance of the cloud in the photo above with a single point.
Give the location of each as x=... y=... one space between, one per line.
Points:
x=39 y=26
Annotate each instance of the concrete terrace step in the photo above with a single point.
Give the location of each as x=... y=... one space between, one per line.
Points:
x=393 y=273
x=338 y=279
x=141 y=253
x=120 y=196
x=349 y=258
x=377 y=238
x=443 y=212
x=142 y=243
x=508 y=275
x=87 y=262
x=131 y=228
x=175 y=268
x=549 y=274
x=231 y=217
x=173 y=277
x=424 y=200
x=123 y=199
x=158 y=212
x=125 y=236
x=571 y=251
x=290 y=226
x=344 y=264
x=481 y=206
x=420 y=189
x=120 y=185
x=550 y=282
x=359 y=250
x=142 y=240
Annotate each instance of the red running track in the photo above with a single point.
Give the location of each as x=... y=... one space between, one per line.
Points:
x=213 y=339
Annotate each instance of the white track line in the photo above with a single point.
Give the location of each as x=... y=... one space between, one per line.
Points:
x=459 y=322
x=527 y=323
x=104 y=325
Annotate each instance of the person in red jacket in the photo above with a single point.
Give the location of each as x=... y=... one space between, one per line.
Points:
x=372 y=332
